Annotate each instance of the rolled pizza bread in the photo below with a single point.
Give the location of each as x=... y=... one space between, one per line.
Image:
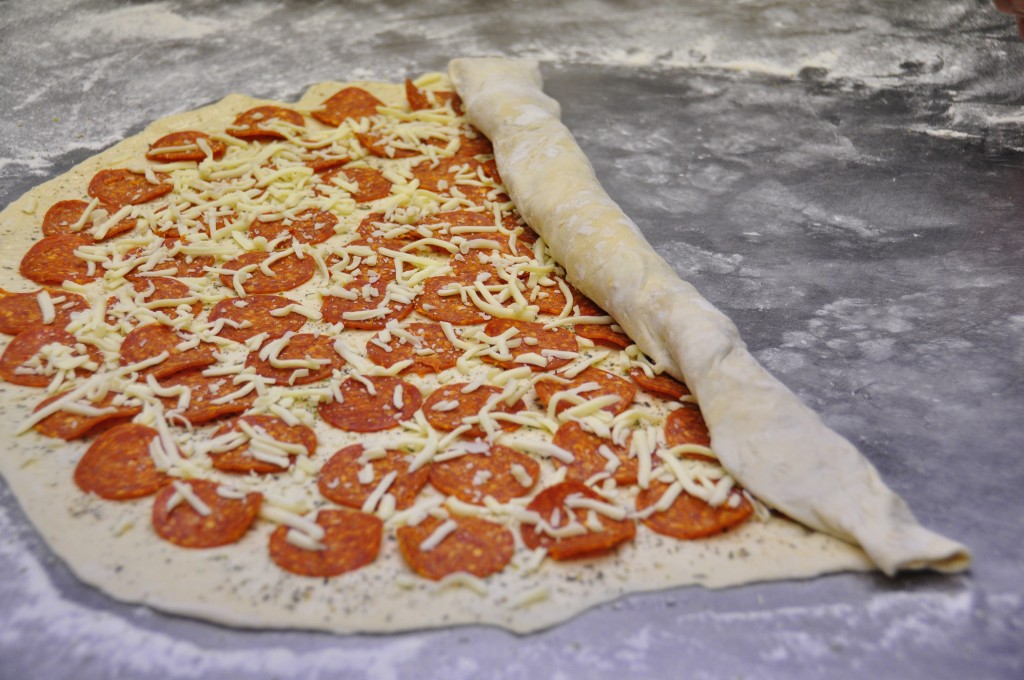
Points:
x=762 y=433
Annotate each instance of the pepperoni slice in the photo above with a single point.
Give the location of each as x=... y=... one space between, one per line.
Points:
x=69 y=425
x=474 y=476
x=310 y=226
x=690 y=517
x=251 y=316
x=662 y=385
x=284 y=369
x=182 y=525
x=607 y=384
x=20 y=312
x=152 y=340
x=418 y=100
x=551 y=300
x=351 y=102
x=370 y=288
x=186 y=265
x=242 y=460
x=475 y=144
x=441 y=301
x=341 y=478
x=205 y=395
x=448 y=406
x=183 y=146
x=425 y=344
x=162 y=293
x=21 y=365
x=370 y=183
x=372 y=232
x=65 y=214
x=587 y=459
x=351 y=540
x=289 y=272
x=686 y=426
x=118 y=466
x=437 y=178
x=322 y=161
x=120 y=187
x=392 y=400
x=381 y=146
x=53 y=260
x=535 y=339
x=476 y=546
x=602 y=334
x=551 y=505
x=257 y=123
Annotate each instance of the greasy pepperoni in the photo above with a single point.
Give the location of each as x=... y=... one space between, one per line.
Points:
x=552 y=300
x=151 y=340
x=437 y=178
x=351 y=102
x=118 y=466
x=380 y=146
x=662 y=385
x=535 y=339
x=474 y=476
x=122 y=187
x=253 y=124
x=182 y=525
x=587 y=459
x=69 y=426
x=551 y=505
x=418 y=100
x=173 y=255
x=429 y=349
x=373 y=280
x=370 y=183
x=469 y=405
x=302 y=347
x=310 y=226
x=607 y=384
x=53 y=260
x=477 y=546
x=372 y=232
x=65 y=214
x=690 y=517
x=289 y=272
x=441 y=301
x=351 y=540
x=339 y=481
x=160 y=293
x=20 y=311
x=686 y=426
x=254 y=316
x=362 y=411
x=163 y=150
x=468 y=267
x=204 y=392
x=15 y=363
x=475 y=145
x=602 y=334
x=241 y=459
x=323 y=161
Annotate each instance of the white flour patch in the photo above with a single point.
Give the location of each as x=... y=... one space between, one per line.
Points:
x=142 y=22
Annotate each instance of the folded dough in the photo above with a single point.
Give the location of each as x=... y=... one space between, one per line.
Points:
x=765 y=437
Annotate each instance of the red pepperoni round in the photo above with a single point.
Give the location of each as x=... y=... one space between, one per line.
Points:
x=475 y=145
x=437 y=178
x=159 y=293
x=602 y=334
x=349 y=103
x=370 y=287
x=227 y=522
x=474 y=476
x=381 y=146
x=441 y=301
x=304 y=346
x=69 y=426
x=120 y=187
x=551 y=300
x=476 y=546
x=370 y=184
x=362 y=411
x=686 y=426
x=118 y=466
x=607 y=384
x=662 y=385
x=174 y=256
x=310 y=226
x=151 y=340
x=20 y=312
x=164 y=150
x=246 y=317
x=16 y=363
x=587 y=459
x=53 y=260
x=372 y=232
x=535 y=340
x=256 y=123
x=63 y=215
x=205 y=391
x=322 y=161
x=339 y=478
x=418 y=100
x=551 y=505
x=429 y=349
x=690 y=517
x=289 y=272
x=241 y=459
x=351 y=540
x=469 y=405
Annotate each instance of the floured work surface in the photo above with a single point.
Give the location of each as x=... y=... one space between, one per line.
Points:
x=333 y=203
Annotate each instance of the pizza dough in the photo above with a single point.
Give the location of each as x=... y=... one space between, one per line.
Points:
x=113 y=546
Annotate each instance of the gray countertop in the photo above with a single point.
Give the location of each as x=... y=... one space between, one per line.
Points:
x=844 y=179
